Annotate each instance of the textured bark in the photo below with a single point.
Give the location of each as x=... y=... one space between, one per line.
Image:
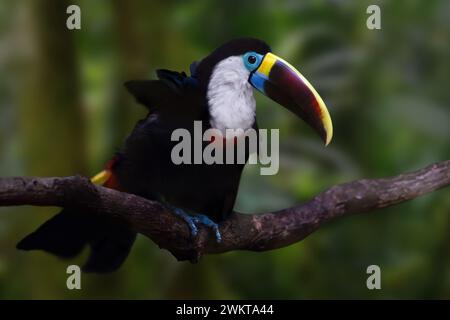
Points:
x=256 y=232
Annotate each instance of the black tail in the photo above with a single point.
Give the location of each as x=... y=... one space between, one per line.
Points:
x=67 y=233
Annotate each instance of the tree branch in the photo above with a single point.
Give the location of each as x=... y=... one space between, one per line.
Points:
x=256 y=232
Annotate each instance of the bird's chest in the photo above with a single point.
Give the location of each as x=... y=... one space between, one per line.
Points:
x=152 y=166
x=231 y=105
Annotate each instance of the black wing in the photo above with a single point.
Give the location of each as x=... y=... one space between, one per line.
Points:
x=171 y=89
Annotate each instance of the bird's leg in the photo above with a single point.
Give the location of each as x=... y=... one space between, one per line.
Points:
x=194 y=220
x=186 y=217
x=200 y=218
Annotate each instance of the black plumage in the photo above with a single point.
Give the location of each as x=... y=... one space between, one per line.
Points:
x=144 y=166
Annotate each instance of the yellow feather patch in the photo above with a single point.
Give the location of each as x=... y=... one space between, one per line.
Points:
x=101 y=177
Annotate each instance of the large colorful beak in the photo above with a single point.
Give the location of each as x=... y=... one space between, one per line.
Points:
x=284 y=84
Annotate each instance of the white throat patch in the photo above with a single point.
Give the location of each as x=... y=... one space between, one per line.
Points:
x=230 y=96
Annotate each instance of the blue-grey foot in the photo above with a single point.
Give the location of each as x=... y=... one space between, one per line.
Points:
x=194 y=220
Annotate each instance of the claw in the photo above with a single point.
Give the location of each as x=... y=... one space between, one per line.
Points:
x=189 y=220
x=200 y=218
x=193 y=220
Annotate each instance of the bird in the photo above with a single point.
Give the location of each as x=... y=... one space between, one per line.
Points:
x=219 y=92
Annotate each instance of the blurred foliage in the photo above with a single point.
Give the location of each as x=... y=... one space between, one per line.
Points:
x=63 y=110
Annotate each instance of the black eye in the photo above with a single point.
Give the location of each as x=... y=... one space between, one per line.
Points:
x=251 y=59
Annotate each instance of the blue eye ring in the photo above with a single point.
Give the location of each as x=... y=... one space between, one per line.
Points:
x=252 y=60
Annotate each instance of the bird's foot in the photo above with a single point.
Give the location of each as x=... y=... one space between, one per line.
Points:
x=194 y=220
x=200 y=218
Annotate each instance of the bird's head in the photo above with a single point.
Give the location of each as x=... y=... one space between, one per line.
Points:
x=229 y=73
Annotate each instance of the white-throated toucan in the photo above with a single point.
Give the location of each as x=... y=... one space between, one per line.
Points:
x=219 y=93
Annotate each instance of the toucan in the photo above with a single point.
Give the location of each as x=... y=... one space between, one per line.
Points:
x=219 y=93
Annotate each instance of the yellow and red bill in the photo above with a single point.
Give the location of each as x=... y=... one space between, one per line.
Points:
x=284 y=84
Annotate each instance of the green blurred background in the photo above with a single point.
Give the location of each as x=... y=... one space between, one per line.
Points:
x=63 y=110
